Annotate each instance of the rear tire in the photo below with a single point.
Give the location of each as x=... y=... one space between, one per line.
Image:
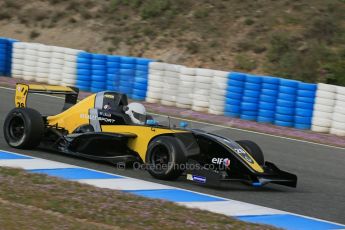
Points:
x=23 y=128
x=164 y=154
x=254 y=150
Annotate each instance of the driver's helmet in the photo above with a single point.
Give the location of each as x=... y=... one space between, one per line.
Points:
x=136 y=112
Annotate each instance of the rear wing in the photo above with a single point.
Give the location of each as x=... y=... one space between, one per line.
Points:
x=22 y=91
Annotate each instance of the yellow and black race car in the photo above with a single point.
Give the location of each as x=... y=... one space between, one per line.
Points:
x=99 y=127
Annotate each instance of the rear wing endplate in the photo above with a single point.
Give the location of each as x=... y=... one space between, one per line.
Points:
x=22 y=91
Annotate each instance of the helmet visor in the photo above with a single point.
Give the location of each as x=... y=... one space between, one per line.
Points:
x=140 y=117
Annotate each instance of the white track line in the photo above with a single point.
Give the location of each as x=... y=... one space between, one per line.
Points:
x=220 y=126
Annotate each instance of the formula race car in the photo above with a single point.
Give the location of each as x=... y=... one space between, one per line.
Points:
x=105 y=127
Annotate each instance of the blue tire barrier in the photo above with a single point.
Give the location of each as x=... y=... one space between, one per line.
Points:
x=99 y=62
x=287 y=90
x=112 y=87
x=251 y=93
x=250 y=99
x=126 y=90
x=302 y=126
x=140 y=86
x=304 y=112
x=114 y=65
x=237 y=76
x=269 y=92
x=84 y=77
x=253 y=79
x=98 y=84
x=249 y=106
x=99 y=67
x=83 y=66
x=289 y=83
x=83 y=83
x=307 y=86
x=267 y=105
x=306 y=99
x=113 y=77
x=86 y=61
x=252 y=86
x=285 y=103
x=266 y=113
x=139 y=93
x=126 y=83
x=285 y=110
x=283 y=117
x=127 y=66
x=99 y=72
x=236 y=83
x=128 y=60
x=230 y=101
x=234 y=89
x=304 y=105
x=249 y=113
x=142 y=68
x=113 y=58
x=283 y=123
x=230 y=114
x=99 y=78
x=269 y=99
x=96 y=90
x=270 y=80
x=306 y=93
x=248 y=117
x=112 y=70
x=85 y=55
x=99 y=57
x=303 y=120
x=141 y=72
x=141 y=80
x=233 y=108
x=138 y=98
x=129 y=72
x=265 y=119
x=235 y=96
x=287 y=97
x=143 y=61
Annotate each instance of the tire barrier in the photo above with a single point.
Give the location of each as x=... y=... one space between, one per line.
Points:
x=6 y=46
x=283 y=102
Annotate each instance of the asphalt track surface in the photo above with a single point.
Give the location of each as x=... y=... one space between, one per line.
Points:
x=320 y=192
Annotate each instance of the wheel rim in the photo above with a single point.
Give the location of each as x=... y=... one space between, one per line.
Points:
x=160 y=157
x=17 y=129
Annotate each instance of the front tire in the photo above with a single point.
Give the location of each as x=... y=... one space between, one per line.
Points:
x=164 y=154
x=254 y=150
x=23 y=128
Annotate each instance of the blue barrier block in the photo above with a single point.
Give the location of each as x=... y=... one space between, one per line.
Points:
x=129 y=72
x=251 y=93
x=304 y=112
x=249 y=106
x=269 y=99
x=85 y=55
x=285 y=103
x=80 y=83
x=83 y=66
x=126 y=83
x=141 y=80
x=139 y=93
x=138 y=98
x=230 y=114
x=250 y=99
x=139 y=86
x=232 y=108
x=99 y=72
x=248 y=117
x=306 y=99
x=128 y=60
x=249 y=113
x=253 y=79
x=102 y=57
x=307 y=86
x=99 y=67
x=287 y=97
x=269 y=92
x=113 y=65
x=236 y=96
x=84 y=77
x=237 y=76
x=285 y=110
x=99 y=78
x=270 y=80
x=302 y=126
x=96 y=62
x=127 y=66
x=252 y=86
x=283 y=117
x=230 y=101
x=236 y=83
x=287 y=90
x=289 y=83
x=306 y=93
x=86 y=61
x=141 y=73
x=303 y=120
x=96 y=90
x=234 y=89
x=113 y=77
x=283 y=123
x=304 y=105
x=266 y=113
x=143 y=61
x=83 y=71
x=267 y=105
x=126 y=90
x=264 y=119
x=113 y=58
x=98 y=84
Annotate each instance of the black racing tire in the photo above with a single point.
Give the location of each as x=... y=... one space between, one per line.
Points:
x=23 y=128
x=164 y=154
x=254 y=150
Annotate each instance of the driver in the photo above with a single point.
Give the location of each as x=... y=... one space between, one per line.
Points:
x=137 y=113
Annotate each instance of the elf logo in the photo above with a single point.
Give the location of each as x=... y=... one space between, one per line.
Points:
x=223 y=161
